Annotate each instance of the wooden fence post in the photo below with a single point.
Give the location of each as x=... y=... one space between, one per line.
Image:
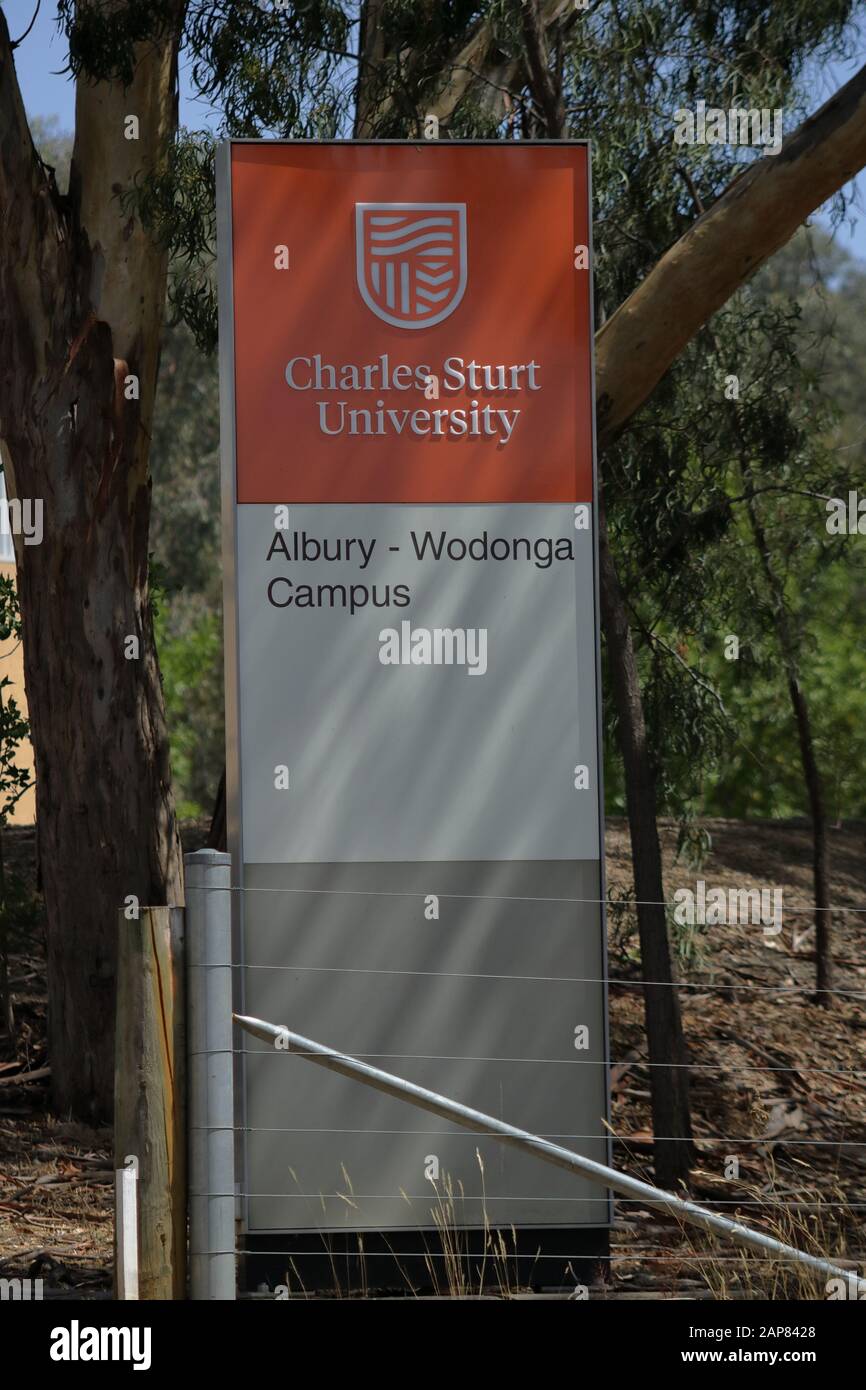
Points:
x=150 y=1091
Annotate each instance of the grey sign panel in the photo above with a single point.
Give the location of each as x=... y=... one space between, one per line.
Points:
x=417 y=762
x=481 y=1005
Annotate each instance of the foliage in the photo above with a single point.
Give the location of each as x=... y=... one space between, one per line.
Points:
x=191 y=665
x=14 y=728
x=184 y=459
x=185 y=570
x=18 y=908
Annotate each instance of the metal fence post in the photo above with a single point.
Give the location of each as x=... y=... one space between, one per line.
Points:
x=211 y=1102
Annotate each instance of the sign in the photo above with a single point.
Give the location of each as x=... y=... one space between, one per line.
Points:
x=414 y=780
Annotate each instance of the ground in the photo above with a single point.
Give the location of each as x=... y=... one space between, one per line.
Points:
x=769 y=1066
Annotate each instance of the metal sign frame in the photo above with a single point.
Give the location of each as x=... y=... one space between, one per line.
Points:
x=234 y=807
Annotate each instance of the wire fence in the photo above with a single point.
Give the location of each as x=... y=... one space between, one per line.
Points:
x=804 y=1205
x=616 y=903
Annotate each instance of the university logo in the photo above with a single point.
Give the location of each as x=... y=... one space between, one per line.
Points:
x=411 y=260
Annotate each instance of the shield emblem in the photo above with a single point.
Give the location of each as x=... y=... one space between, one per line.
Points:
x=411 y=260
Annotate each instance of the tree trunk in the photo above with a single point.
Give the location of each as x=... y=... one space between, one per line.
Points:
x=217 y=837
x=811 y=771
x=82 y=290
x=371 y=50
x=545 y=89
x=669 y=1077
x=820 y=849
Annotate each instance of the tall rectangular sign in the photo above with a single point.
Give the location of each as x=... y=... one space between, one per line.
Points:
x=414 y=780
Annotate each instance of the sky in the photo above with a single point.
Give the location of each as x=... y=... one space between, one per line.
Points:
x=48 y=92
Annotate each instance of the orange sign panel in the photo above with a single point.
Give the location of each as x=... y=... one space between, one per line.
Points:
x=429 y=348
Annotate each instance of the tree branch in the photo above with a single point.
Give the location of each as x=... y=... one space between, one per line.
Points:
x=472 y=60
x=371 y=54
x=16 y=43
x=756 y=215
x=544 y=86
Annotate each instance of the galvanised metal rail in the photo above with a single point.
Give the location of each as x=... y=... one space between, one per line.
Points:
x=523 y=1140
